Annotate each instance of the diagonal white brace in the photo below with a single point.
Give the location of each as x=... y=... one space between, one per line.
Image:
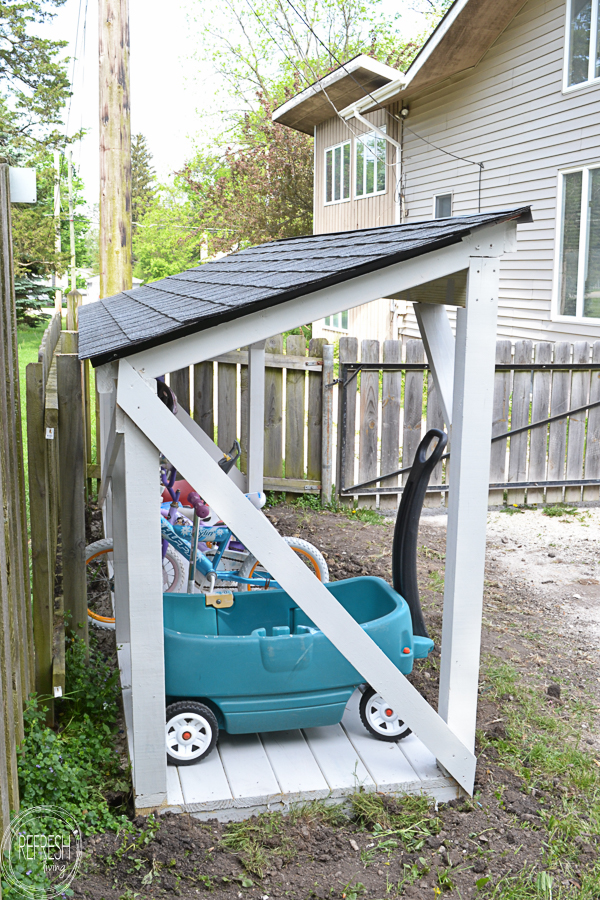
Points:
x=254 y=529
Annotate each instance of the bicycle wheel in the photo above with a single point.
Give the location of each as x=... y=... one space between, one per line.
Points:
x=251 y=568
x=100 y=582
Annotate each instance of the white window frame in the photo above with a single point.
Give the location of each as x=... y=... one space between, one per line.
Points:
x=339 y=328
x=443 y=194
x=359 y=138
x=592 y=78
x=331 y=150
x=578 y=318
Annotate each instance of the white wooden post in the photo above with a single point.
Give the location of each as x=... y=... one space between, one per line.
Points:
x=438 y=339
x=256 y=415
x=144 y=576
x=119 y=534
x=467 y=515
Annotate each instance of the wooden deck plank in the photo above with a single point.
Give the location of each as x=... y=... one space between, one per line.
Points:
x=247 y=766
x=294 y=765
x=205 y=783
x=420 y=758
x=339 y=762
x=174 y=792
x=385 y=762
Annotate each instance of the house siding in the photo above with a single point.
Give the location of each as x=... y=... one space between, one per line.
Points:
x=510 y=113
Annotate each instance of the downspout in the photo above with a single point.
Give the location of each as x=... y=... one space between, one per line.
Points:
x=398 y=166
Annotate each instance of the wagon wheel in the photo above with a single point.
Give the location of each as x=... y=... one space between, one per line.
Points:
x=191 y=732
x=381 y=719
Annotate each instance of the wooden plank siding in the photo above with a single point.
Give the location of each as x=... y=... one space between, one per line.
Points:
x=510 y=113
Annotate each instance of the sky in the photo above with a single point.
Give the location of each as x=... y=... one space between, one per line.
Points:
x=168 y=84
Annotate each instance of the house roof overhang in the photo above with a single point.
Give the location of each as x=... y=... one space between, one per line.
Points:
x=255 y=293
x=459 y=42
x=348 y=84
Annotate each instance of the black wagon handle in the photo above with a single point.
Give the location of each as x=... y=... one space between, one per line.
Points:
x=406 y=531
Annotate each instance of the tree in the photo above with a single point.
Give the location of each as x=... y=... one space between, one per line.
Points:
x=31 y=75
x=167 y=240
x=143 y=179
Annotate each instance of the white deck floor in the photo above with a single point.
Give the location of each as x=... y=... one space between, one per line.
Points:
x=251 y=773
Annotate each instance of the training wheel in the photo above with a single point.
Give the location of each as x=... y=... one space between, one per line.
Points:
x=191 y=732
x=380 y=718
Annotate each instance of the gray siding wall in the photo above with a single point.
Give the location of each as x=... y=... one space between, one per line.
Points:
x=511 y=114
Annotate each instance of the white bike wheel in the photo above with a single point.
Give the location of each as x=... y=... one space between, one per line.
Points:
x=309 y=554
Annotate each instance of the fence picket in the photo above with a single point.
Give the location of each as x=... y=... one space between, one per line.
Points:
x=179 y=382
x=369 y=409
x=390 y=421
x=294 y=411
x=540 y=409
x=413 y=405
x=314 y=424
x=521 y=394
x=561 y=382
x=203 y=402
x=580 y=387
x=435 y=419
x=592 y=450
x=348 y=352
x=274 y=412
x=501 y=411
x=227 y=405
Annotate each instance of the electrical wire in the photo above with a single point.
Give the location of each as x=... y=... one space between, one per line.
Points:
x=73 y=67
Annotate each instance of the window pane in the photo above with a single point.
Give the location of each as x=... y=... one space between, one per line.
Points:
x=370 y=164
x=345 y=319
x=328 y=321
x=597 y=72
x=360 y=162
x=569 y=256
x=443 y=206
x=346 y=180
x=591 y=297
x=381 y=164
x=579 y=43
x=337 y=174
x=328 y=176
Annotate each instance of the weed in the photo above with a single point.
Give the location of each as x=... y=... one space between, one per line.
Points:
x=318 y=811
x=206 y=882
x=560 y=509
x=404 y=820
x=73 y=766
x=445 y=880
x=436 y=582
x=428 y=553
x=353 y=890
x=257 y=840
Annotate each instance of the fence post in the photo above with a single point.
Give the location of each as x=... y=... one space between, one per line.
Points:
x=327 y=425
x=227 y=405
x=72 y=491
x=348 y=352
x=413 y=405
x=294 y=410
x=561 y=382
x=580 y=386
x=390 y=421
x=74 y=300
x=204 y=413
x=179 y=382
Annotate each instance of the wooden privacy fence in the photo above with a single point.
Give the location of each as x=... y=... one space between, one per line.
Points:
x=16 y=637
x=56 y=429
x=549 y=394
x=215 y=393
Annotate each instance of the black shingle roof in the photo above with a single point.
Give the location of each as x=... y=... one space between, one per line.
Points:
x=256 y=279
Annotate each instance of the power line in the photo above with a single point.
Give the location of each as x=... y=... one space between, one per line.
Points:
x=74 y=64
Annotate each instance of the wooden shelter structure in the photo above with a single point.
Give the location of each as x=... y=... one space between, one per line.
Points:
x=241 y=300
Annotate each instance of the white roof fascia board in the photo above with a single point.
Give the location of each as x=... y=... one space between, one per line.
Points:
x=436 y=38
x=493 y=241
x=359 y=62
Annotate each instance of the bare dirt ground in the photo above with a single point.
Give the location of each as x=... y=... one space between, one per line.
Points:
x=532 y=827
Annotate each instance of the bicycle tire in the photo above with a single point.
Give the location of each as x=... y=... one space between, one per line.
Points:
x=303 y=548
x=105 y=546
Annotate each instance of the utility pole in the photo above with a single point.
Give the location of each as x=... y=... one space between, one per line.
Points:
x=57 y=244
x=72 y=225
x=115 y=147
